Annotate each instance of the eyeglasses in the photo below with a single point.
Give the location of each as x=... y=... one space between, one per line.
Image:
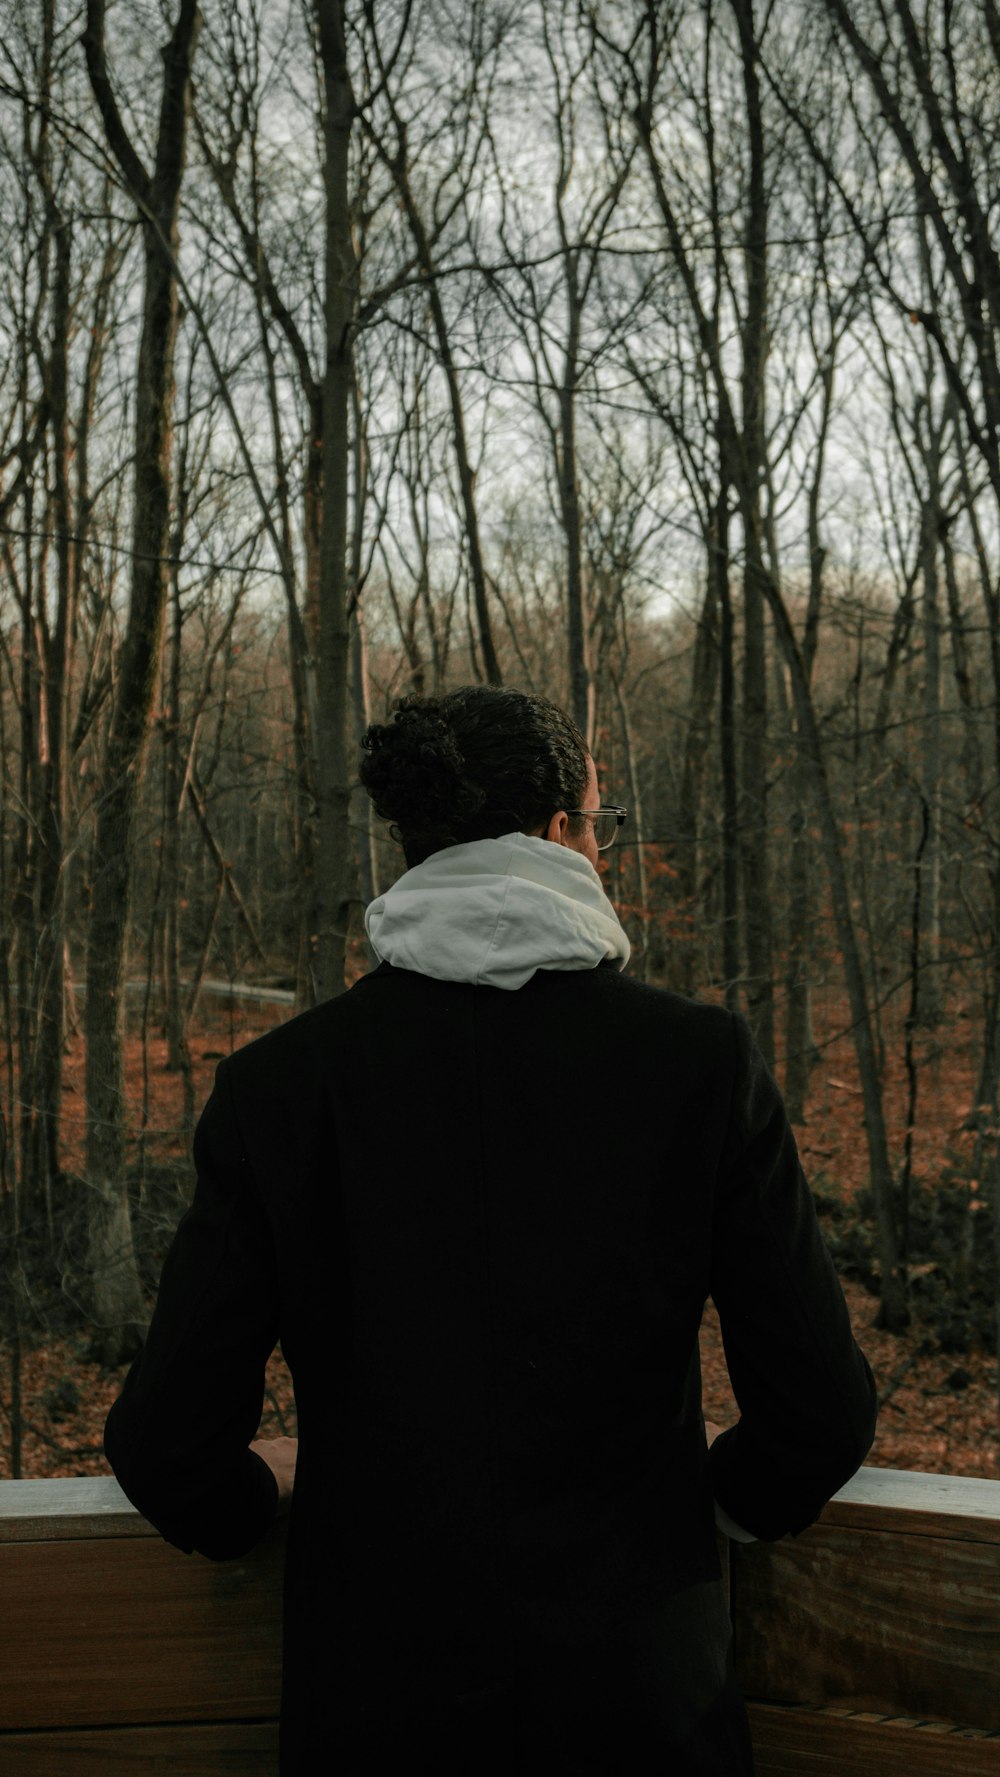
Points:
x=607 y=821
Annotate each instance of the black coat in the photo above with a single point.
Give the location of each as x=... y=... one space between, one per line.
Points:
x=483 y=1225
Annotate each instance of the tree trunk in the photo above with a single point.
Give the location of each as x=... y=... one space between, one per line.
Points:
x=972 y=755
x=173 y=792
x=800 y=1047
x=333 y=900
x=58 y=644
x=719 y=566
x=363 y=813
x=636 y=836
x=929 y=937
x=894 y=1313
x=797 y=913
x=753 y=828
x=23 y=898
x=751 y=459
x=580 y=687
x=466 y=474
x=117 y=1293
x=704 y=674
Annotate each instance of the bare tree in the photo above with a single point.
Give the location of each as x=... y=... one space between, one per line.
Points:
x=460 y=143
x=118 y=1297
x=550 y=283
x=333 y=895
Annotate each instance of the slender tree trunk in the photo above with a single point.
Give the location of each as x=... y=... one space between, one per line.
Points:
x=118 y=1301
x=989 y=1067
x=797 y=916
x=719 y=566
x=333 y=897
x=9 y=1197
x=636 y=835
x=362 y=811
x=303 y=623
x=753 y=819
x=362 y=815
x=466 y=474
x=894 y=1312
x=910 y=1023
x=173 y=792
x=751 y=458
x=704 y=675
x=800 y=1047
x=988 y=1089
x=25 y=868
x=58 y=648
x=929 y=937
x=54 y=647
x=305 y=642
x=972 y=755
x=580 y=688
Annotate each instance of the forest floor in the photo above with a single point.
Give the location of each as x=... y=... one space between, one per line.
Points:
x=939 y=1406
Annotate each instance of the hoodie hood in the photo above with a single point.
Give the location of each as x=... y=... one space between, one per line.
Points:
x=494 y=911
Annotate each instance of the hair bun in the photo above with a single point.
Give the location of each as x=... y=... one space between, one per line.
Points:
x=472 y=764
x=415 y=772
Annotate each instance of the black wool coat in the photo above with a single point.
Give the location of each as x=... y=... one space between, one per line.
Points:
x=483 y=1225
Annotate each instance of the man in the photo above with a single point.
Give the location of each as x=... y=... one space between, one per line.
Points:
x=482 y=1198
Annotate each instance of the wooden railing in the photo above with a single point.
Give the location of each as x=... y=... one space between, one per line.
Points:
x=871 y=1643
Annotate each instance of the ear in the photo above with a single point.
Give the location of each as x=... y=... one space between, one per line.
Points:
x=558 y=828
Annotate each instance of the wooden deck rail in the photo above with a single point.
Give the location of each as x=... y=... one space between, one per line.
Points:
x=870 y=1643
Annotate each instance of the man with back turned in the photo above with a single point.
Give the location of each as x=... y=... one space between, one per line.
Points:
x=481 y=1199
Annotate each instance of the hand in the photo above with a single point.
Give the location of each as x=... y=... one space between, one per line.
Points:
x=712 y=1431
x=279 y=1454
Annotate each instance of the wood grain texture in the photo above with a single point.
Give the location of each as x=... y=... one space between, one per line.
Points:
x=119 y=1654
x=32 y=1511
x=821 y=1743
x=131 y=1630
x=906 y=1625
x=920 y=1505
x=228 y=1749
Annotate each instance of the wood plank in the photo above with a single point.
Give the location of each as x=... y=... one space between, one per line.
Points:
x=906 y=1625
x=922 y=1505
x=819 y=1743
x=222 y=1749
x=932 y=1504
x=889 y=1602
x=33 y=1511
x=788 y=1742
x=131 y=1630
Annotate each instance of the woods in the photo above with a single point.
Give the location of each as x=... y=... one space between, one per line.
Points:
x=645 y=355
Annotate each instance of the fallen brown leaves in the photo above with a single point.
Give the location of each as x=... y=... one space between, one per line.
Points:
x=925 y=1421
x=66 y=1399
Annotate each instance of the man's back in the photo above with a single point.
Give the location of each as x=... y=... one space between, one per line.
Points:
x=484 y=1224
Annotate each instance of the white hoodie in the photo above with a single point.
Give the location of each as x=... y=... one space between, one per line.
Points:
x=495 y=910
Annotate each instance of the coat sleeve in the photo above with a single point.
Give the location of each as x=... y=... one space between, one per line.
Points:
x=178 y=1435
x=804 y=1388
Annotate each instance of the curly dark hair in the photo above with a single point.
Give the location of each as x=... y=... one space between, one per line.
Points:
x=473 y=764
